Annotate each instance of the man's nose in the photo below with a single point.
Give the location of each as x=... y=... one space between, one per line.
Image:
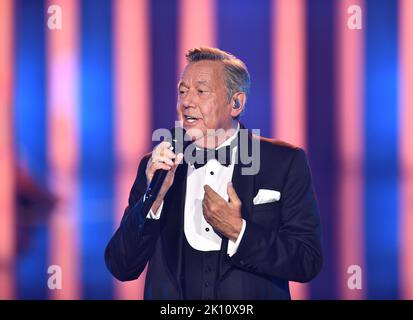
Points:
x=189 y=100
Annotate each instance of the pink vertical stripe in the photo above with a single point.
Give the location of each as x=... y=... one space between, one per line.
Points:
x=132 y=108
x=288 y=69
x=196 y=21
x=406 y=147
x=288 y=74
x=63 y=142
x=349 y=59
x=7 y=165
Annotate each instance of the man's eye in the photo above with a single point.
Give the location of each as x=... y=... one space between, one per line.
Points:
x=182 y=91
x=202 y=91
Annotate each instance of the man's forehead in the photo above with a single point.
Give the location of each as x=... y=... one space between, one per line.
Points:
x=202 y=72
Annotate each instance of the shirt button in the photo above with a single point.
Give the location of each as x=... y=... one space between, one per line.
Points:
x=211 y=173
x=207 y=229
x=206 y=284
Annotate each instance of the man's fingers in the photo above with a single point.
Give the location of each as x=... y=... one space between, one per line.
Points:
x=168 y=153
x=179 y=158
x=205 y=207
x=163 y=153
x=162 y=145
x=160 y=165
x=205 y=201
x=163 y=159
x=154 y=167
x=213 y=195
x=209 y=192
x=207 y=189
x=163 y=149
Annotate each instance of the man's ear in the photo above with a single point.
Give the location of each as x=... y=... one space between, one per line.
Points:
x=238 y=102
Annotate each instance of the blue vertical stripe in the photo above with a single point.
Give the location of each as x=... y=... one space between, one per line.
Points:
x=30 y=138
x=97 y=157
x=321 y=135
x=164 y=62
x=244 y=30
x=30 y=86
x=380 y=139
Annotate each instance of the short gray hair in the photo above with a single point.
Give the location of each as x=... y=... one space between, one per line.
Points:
x=237 y=76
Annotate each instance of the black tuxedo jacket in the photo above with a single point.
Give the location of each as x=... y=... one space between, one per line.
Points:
x=281 y=241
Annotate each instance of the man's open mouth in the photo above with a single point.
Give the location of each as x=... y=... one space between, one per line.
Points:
x=190 y=119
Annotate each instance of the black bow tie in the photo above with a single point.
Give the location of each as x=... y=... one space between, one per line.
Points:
x=202 y=156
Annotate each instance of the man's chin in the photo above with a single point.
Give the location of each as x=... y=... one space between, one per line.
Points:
x=206 y=138
x=194 y=133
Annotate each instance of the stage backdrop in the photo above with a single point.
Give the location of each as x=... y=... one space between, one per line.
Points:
x=84 y=83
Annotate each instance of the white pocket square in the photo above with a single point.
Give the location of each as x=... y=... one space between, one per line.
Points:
x=266 y=196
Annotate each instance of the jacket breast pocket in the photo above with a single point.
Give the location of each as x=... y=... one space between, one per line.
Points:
x=271 y=206
x=266 y=207
x=267 y=214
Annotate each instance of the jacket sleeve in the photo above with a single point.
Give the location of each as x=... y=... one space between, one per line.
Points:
x=133 y=243
x=293 y=250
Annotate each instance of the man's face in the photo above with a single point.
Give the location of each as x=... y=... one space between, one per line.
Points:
x=202 y=100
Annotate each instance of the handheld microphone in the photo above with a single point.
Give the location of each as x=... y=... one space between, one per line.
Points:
x=179 y=144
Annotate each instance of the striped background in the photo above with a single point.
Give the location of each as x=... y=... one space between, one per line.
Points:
x=78 y=106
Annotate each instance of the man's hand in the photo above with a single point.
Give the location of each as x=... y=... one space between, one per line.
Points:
x=162 y=158
x=223 y=216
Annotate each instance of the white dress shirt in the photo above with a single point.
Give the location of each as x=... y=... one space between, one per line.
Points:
x=199 y=233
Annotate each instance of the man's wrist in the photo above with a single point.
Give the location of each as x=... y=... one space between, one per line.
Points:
x=237 y=227
x=156 y=205
x=234 y=244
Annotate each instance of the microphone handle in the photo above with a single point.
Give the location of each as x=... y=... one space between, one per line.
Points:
x=155 y=185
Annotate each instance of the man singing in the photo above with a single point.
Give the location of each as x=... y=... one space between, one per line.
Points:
x=217 y=230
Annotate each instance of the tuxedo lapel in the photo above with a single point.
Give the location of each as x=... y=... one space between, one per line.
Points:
x=173 y=224
x=244 y=187
x=243 y=184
